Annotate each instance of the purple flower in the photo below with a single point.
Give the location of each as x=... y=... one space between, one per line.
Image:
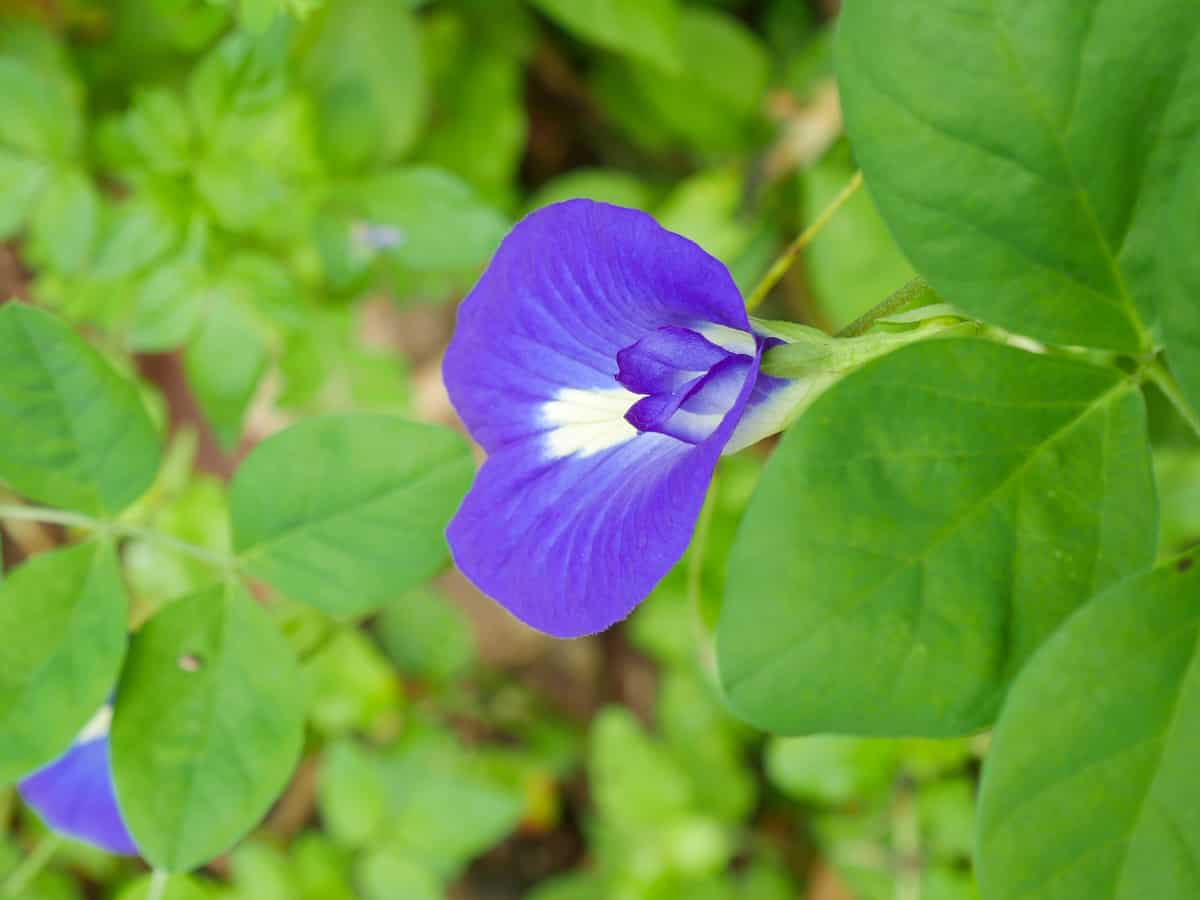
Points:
x=74 y=795
x=604 y=364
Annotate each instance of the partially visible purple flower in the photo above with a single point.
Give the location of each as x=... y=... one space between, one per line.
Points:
x=604 y=364
x=74 y=795
x=371 y=238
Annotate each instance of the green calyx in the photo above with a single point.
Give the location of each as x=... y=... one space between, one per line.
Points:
x=808 y=352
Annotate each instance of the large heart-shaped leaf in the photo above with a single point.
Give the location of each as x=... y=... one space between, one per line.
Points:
x=346 y=512
x=1181 y=287
x=62 y=615
x=922 y=528
x=75 y=433
x=1090 y=787
x=1024 y=154
x=208 y=726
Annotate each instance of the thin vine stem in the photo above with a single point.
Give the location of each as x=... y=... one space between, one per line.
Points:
x=158 y=885
x=48 y=516
x=195 y=551
x=894 y=303
x=78 y=520
x=784 y=262
x=1170 y=388
x=21 y=877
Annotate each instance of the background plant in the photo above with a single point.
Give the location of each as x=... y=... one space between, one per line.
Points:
x=245 y=225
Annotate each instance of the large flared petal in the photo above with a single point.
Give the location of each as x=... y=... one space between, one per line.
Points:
x=572 y=285
x=74 y=795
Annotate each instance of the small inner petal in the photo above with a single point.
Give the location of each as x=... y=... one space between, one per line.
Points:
x=693 y=410
x=667 y=359
x=652 y=413
x=706 y=404
x=718 y=390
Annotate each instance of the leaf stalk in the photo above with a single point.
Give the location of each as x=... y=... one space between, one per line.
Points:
x=784 y=262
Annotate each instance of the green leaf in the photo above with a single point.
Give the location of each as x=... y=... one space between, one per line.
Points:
x=158 y=129
x=946 y=810
x=646 y=29
x=636 y=784
x=168 y=306
x=75 y=433
x=1105 y=802
x=207 y=729
x=140 y=231
x=240 y=76
x=1044 y=213
x=179 y=887
x=63 y=617
x=365 y=66
x=64 y=224
x=41 y=118
x=325 y=364
x=346 y=512
x=831 y=769
x=711 y=102
x=427 y=636
x=320 y=868
x=440 y=222
x=21 y=183
x=351 y=686
x=225 y=360
x=444 y=807
x=1177 y=474
x=351 y=794
x=922 y=528
x=1181 y=288
x=385 y=875
x=261 y=872
x=257 y=15
x=481 y=131
x=701 y=736
x=238 y=193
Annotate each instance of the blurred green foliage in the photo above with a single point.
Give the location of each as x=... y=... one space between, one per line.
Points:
x=235 y=184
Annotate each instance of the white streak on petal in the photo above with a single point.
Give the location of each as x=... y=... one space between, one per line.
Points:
x=97 y=727
x=587 y=421
x=732 y=339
